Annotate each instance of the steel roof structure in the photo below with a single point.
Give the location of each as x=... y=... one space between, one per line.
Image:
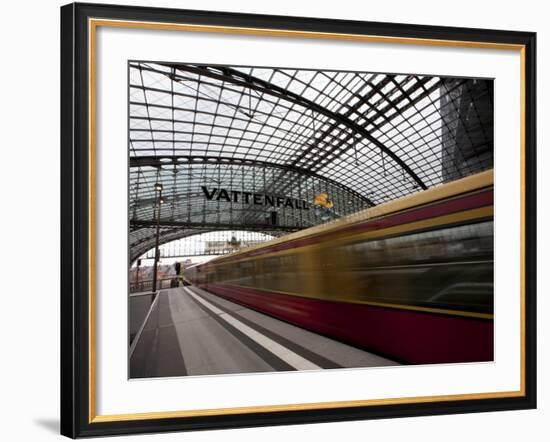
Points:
x=363 y=138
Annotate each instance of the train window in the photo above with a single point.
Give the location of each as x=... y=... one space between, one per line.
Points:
x=444 y=244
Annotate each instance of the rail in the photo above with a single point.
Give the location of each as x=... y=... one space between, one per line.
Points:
x=146 y=285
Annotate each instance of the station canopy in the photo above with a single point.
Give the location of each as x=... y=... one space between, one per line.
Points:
x=360 y=138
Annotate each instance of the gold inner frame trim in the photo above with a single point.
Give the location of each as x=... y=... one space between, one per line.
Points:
x=304 y=406
x=299 y=34
x=93 y=24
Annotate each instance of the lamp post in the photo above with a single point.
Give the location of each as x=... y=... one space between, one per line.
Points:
x=158 y=188
x=137 y=276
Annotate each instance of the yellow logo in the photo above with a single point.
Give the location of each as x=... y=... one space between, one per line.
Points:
x=323 y=201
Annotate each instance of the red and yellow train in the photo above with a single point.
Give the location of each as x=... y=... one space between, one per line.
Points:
x=411 y=279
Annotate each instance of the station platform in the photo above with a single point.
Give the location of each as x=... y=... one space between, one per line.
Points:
x=190 y=332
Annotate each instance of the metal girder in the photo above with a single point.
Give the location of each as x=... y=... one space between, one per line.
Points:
x=325 y=157
x=213 y=226
x=326 y=132
x=381 y=113
x=167 y=160
x=223 y=73
x=168 y=235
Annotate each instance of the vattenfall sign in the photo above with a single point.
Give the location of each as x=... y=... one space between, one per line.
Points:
x=258 y=199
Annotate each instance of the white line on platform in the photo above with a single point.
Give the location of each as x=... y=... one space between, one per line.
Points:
x=138 y=334
x=291 y=358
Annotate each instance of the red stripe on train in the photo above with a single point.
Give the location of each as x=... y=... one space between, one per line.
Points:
x=410 y=336
x=469 y=202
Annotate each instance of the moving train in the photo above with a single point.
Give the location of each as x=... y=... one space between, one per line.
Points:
x=411 y=279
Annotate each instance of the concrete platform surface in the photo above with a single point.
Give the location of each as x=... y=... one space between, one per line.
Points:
x=190 y=332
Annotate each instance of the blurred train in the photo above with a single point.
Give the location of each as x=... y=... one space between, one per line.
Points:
x=411 y=279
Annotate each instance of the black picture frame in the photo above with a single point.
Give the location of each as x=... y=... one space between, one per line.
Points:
x=77 y=405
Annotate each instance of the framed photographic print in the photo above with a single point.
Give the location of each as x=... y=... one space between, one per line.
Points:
x=274 y=220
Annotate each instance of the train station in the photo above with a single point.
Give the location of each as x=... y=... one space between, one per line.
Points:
x=287 y=219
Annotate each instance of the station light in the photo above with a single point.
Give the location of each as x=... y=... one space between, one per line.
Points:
x=158 y=188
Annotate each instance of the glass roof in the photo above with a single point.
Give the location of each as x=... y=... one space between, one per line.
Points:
x=368 y=137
